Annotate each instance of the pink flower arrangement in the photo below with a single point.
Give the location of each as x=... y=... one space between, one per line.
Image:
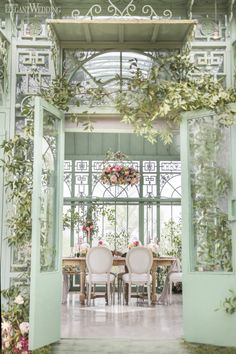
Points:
x=134 y=243
x=88 y=226
x=102 y=243
x=14 y=332
x=119 y=174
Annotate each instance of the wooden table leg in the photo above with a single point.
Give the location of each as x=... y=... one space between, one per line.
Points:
x=154 y=285
x=82 y=283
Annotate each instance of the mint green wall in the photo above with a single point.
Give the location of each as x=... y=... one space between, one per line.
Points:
x=95 y=145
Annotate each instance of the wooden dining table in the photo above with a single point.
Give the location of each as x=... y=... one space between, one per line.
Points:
x=80 y=262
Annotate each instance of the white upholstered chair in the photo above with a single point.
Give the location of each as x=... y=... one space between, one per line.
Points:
x=99 y=262
x=175 y=276
x=139 y=262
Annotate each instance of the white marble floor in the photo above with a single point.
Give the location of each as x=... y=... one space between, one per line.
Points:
x=117 y=321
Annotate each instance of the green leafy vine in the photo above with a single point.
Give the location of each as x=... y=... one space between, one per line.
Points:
x=150 y=100
x=210 y=185
x=18 y=169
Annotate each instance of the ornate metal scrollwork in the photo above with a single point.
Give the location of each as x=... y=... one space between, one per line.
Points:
x=94 y=10
x=126 y=12
x=114 y=11
x=149 y=11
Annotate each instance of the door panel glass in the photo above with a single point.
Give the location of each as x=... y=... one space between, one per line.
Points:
x=210 y=179
x=49 y=202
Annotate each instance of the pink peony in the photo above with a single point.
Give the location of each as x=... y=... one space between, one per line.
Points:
x=117 y=168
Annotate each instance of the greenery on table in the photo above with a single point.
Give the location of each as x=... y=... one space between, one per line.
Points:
x=210 y=185
x=118 y=241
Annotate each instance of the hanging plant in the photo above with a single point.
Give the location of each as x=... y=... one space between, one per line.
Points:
x=120 y=172
x=150 y=99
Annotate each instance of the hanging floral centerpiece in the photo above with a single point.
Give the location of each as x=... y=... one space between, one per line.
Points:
x=88 y=228
x=120 y=172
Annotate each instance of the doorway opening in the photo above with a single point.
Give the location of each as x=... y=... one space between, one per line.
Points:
x=149 y=212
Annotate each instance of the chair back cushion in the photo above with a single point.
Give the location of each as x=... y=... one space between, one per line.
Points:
x=99 y=260
x=139 y=260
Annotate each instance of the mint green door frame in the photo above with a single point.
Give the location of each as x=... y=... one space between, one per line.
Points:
x=47 y=201
x=204 y=291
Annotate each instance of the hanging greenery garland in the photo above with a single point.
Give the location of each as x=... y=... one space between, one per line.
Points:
x=150 y=99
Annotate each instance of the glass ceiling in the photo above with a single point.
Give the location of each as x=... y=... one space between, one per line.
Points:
x=108 y=69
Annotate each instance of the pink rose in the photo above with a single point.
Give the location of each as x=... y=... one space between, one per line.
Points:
x=117 y=168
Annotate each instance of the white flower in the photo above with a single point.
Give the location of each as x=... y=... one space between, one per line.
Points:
x=18 y=345
x=19 y=300
x=24 y=327
x=84 y=247
x=6 y=327
x=7 y=344
x=154 y=247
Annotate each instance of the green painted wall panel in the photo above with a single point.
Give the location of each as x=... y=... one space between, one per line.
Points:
x=150 y=149
x=110 y=141
x=136 y=145
x=97 y=144
x=81 y=142
x=162 y=149
x=125 y=143
x=70 y=145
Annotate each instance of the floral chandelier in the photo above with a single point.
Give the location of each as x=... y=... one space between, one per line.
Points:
x=120 y=172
